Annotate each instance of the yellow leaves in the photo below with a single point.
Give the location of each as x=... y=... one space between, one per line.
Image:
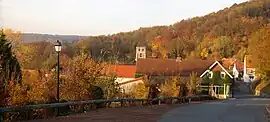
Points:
x=139 y=91
x=159 y=47
x=155 y=47
x=193 y=83
x=204 y=53
x=14 y=37
x=82 y=74
x=170 y=88
x=250 y=20
x=17 y=94
x=259 y=49
x=36 y=85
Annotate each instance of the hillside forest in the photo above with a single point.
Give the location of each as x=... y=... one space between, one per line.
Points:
x=226 y=33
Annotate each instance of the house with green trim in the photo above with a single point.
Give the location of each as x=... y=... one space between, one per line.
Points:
x=220 y=77
x=216 y=77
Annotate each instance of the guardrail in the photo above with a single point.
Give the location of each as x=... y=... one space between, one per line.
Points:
x=41 y=111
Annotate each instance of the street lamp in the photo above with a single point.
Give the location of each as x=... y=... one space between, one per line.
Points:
x=58 y=46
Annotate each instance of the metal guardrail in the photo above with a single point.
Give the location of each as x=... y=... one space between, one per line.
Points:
x=122 y=101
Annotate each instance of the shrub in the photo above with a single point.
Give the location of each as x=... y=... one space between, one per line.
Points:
x=170 y=88
x=193 y=83
x=139 y=91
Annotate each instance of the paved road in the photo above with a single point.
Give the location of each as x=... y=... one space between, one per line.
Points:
x=235 y=110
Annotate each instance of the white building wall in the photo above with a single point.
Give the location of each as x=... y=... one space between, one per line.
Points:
x=122 y=79
x=140 y=52
x=128 y=86
x=248 y=72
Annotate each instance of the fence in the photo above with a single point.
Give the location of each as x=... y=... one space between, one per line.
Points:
x=42 y=111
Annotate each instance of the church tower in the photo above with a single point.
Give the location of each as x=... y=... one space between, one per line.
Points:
x=140 y=52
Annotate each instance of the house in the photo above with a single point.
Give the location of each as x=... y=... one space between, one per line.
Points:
x=249 y=69
x=125 y=76
x=160 y=70
x=216 y=74
x=234 y=66
x=227 y=67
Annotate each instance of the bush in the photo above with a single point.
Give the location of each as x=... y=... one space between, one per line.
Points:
x=139 y=91
x=170 y=88
x=193 y=83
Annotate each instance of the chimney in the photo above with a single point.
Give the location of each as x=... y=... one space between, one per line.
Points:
x=245 y=65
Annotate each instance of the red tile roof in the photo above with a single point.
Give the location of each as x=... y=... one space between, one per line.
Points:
x=228 y=64
x=127 y=71
x=172 y=67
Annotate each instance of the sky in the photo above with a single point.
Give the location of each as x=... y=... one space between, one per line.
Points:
x=98 y=17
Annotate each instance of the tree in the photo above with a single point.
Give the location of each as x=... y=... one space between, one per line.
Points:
x=193 y=83
x=224 y=46
x=139 y=91
x=14 y=37
x=204 y=53
x=259 y=49
x=159 y=47
x=88 y=75
x=170 y=88
x=10 y=69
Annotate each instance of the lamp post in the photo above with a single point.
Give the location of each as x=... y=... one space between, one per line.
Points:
x=58 y=46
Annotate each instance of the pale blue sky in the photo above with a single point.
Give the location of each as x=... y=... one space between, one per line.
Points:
x=95 y=17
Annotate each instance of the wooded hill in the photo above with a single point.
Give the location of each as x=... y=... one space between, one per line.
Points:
x=226 y=33
x=34 y=37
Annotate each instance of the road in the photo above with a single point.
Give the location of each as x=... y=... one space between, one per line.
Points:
x=243 y=109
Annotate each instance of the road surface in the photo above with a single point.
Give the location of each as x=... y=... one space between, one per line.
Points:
x=245 y=109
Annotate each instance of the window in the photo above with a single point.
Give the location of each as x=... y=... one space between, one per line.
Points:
x=210 y=74
x=139 y=49
x=142 y=50
x=141 y=55
x=222 y=75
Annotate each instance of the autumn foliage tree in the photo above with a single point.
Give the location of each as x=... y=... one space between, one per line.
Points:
x=82 y=74
x=193 y=83
x=10 y=69
x=170 y=88
x=139 y=91
x=259 y=49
